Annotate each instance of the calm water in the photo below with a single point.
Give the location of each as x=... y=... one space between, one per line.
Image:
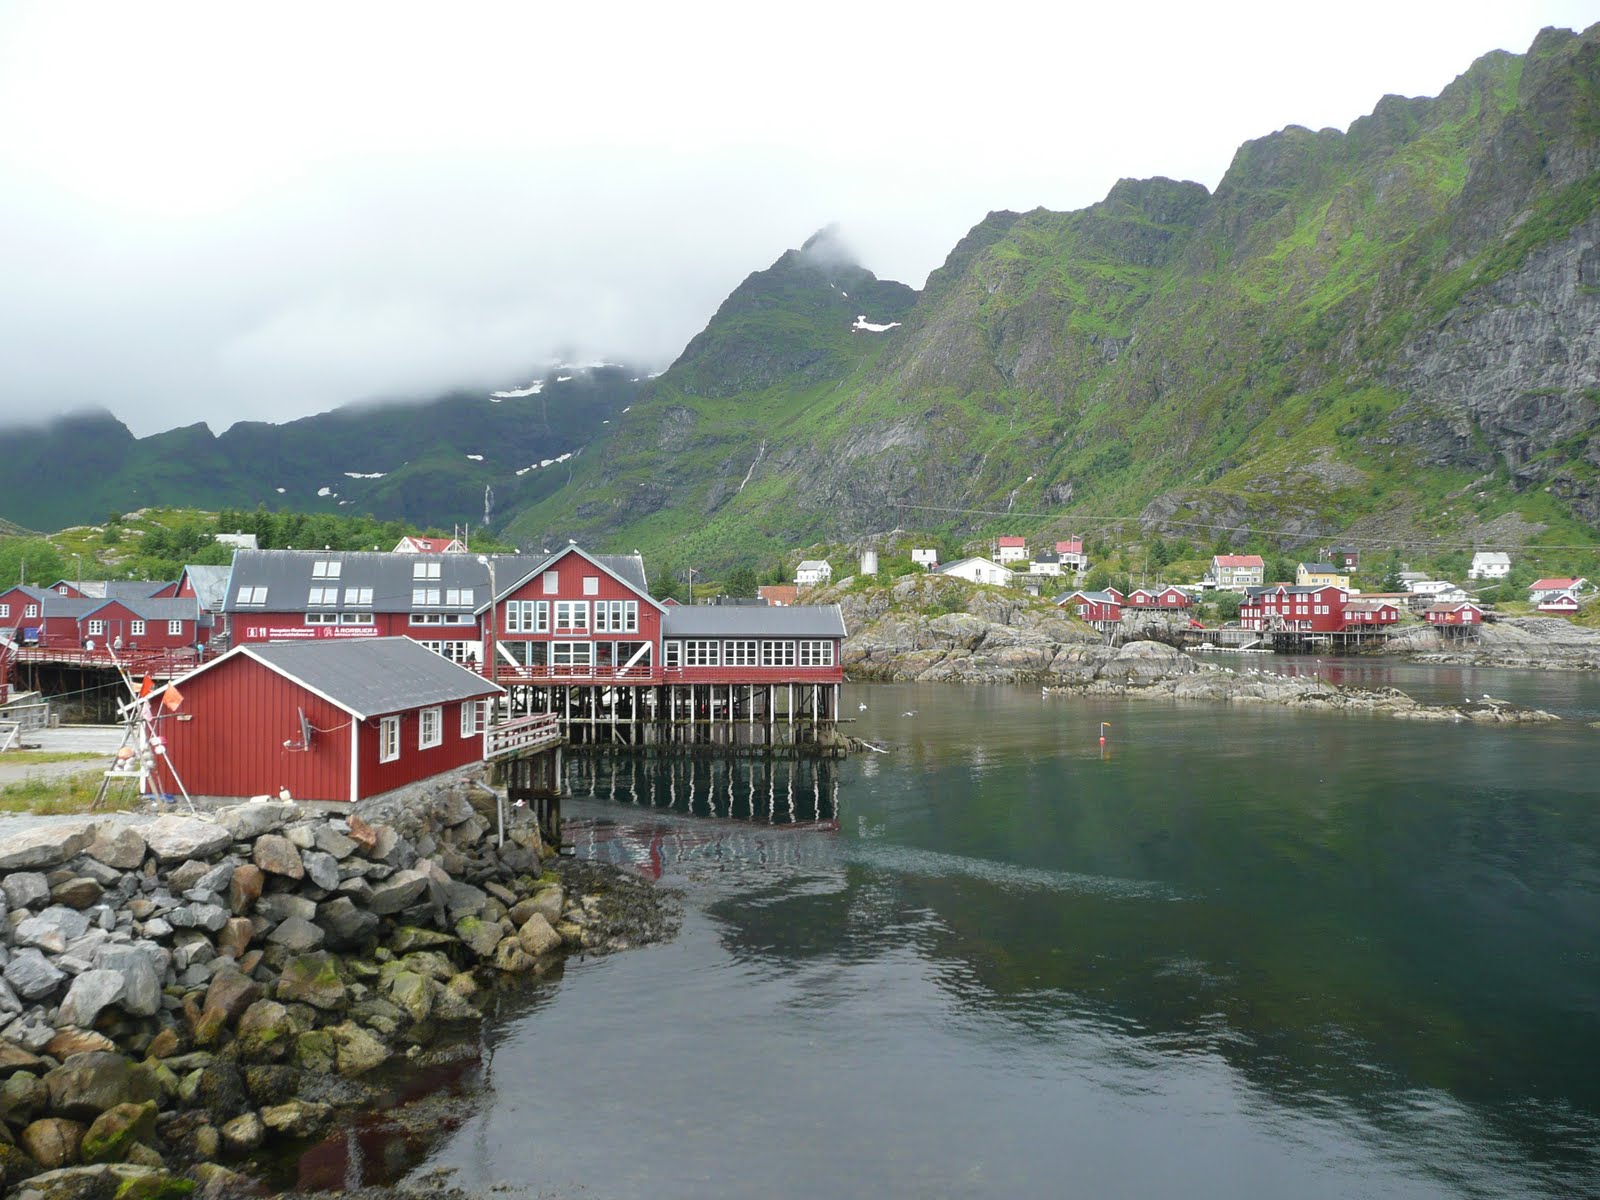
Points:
x=1246 y=953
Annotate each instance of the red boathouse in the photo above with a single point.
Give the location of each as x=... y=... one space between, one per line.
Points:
x=336 y=720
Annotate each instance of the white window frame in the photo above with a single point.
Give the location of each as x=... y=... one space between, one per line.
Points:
x=702 y=652
x=326 y=569
x=550 y=581
x=361 y=596
x=671 y=655
x=471 y=718
x=777 y=654
x=388 y=739
x=97 y=628
x=175 y=628
x=458 y=596
x=251 y=595
x=357 y=619
x=321 y=618
x=591 y=585
x=31 y=611
x=616 y=616
x=5 y=611
x=323 y=597
x=135 y=628
x=741 y=652
x=425 y=597
x=430 y=727
x=816 y=653
x=424 y=570
x=572 y=655
x=578 y=609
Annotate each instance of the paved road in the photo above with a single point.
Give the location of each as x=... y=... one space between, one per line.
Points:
x=101 y=740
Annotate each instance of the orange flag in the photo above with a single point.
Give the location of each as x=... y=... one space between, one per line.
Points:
x=145 y=688
x=172 y=699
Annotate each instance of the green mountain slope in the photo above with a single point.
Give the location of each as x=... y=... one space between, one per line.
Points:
x=1392 y=331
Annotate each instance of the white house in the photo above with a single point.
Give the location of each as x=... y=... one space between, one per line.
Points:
x=813 y=572
x=1012 y=549
x=980 y=570
x=1046 y=562
x=1489 y=565
x=1072 y=556
x=1237 y=570
x=1550 y=587
x=239 y=541
x=1429 y=587
x=927 y=559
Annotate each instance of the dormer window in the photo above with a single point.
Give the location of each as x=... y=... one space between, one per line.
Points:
x=359 y=596
x=323 y=597
x=326 y=569
x=252 y=595
x=425 y=570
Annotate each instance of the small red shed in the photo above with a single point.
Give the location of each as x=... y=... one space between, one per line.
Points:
x=1464 y=613
x=328 y=720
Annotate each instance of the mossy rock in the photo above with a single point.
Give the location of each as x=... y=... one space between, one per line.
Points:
x=313 y=979
x=156 y=1186
x=117 y=1129
x=314 y=1050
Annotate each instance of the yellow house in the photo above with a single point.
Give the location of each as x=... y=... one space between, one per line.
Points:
x=1319 y=575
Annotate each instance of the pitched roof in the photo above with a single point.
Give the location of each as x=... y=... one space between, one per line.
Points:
x=1553 y=583
x=1491 y=558
x=775 y=621
x=210 y=584
x=814 y=564
x=947 y=568
x=287 y=576
x=156 y=608
x=1454 y=606
x=1321 y=568
x=1091 y=597
x=367 y=677
x=1070 y=546
x=1013 y=541
x=1047 y=556
x=1238 y=560
x=430 y=545
x=627 y=569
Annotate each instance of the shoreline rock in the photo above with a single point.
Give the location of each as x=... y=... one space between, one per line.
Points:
x=197 y=991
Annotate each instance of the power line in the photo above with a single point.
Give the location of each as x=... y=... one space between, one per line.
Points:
x=1093 y=519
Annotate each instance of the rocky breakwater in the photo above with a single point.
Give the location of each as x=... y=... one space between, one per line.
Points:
x=1156 y=671
x=184 y=994
x=1537 y=643
x=935 y=628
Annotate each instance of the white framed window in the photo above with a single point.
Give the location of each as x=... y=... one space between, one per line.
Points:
x=135 y=628
x=362 y=596
x=323 y=597
x=421 y=596
x=471 y=718
x=252 y=595
x=326 y=569
x=5 y=611
x=541 y=616
x=97 y=628
x=591 y=585
x=458 y=596
x=816 y=654
x=31 y=611
x=519 y=616
x=572 y=615
x=322 y=618
x=741 y=653
x=702 y=654
x=672 y=655
x=388 y=739
x=357 y=619
x=571 y=654
x=551 y=582
x=174 y=628
x=424 y=570
x=616 y=616
x=777 y=654
x=430 y=728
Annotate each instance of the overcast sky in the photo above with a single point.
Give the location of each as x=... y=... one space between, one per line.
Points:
x=221 y=212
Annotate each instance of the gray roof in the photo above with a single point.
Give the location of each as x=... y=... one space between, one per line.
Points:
x=629 y=567
x=286 y=574
x=163 y=608
x=814 y=564
x=1321 y=568
x=210 y=585
x=115 y=589
x=1092 y=597
x=739 y=621
x=369 y=676
x=1495 y=557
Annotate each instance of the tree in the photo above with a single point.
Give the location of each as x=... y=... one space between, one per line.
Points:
x=1160 y=556
x=741 y=582
x=1227 y=605
x=30 y=560
x=1096 y=580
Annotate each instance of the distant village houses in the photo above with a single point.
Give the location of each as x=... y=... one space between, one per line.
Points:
x=813 y=572
x=1071 y=554
x=1011 y=549
x=1320 y=574
x=1487 y=564
x=926 y=557
x=1237 y=571
x=980 y=570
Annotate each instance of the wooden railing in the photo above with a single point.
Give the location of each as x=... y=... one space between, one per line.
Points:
x=524 y=733
x=135 y=662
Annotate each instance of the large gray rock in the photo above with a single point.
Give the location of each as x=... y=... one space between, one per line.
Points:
x=119 y=846
x=90 y=992
x=52 y=929
x=297 y=935
x=330 y=841
x=87 y=1084
x=397 y=892
x=174 y=839
x=141 y=995
x=347 y=926
x=312 y=979
x=321 y=868
x=217 y=878
x=45 y=846
x=280 y=906
x=248 y=821
x=211 y=917
x=277 y=855
x=10 y=1003
x=25 y=889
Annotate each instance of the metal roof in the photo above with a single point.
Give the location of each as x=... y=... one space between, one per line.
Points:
x=777 y=621
x=367 y=677
x=813 y=564
x=1091 y=597
x=1321 y=568
x=156 y=608
x=210 y=584
x=287 y=576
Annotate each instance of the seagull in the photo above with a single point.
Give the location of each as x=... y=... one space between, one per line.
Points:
x=519 y=804
x=862 y=707
x=912 y=713
x=283 y=792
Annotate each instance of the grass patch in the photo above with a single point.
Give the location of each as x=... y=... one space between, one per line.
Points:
x=64 y=794
x=36 y=757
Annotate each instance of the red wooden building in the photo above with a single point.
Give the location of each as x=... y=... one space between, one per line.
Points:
x=1308 y=609
x=328 y=721
x=1369 y=612
x=1159 y=597
x=1456 y=615
x=1100 y=609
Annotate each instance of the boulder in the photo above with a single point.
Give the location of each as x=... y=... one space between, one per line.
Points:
x=45 y=845
x=114 y=1131
x=312 y=979
x=77 y=1041
x=90 y=992
x=119 y=846
x=32 y=975
x=313 y=1051
x=346 y=925
x=141 y=995
x=22 y=1096
x=277 y=855
x=296 y=1118
x=297 y=935
x=479 y=936
x=16 y=1058
x=330 y=841
x=188 y=873
x=25 y=889
x=271 y=1083
x=397 y=892
x=510 y=956
x=412 y=993
x=280 y=906
x=236 y=936
x=244 y=1133
x=229 y=994
x=10 y=1002
x=217 y=878
x=265 y=1032
x=175 y=839
x=52 y=929
x=356 y=1050
x=248 y=821
x=322 y=869
x=244 y=888
x=79 y=892
x=411 y=937
x=210 y=917
x=52 y=1141
x=538 y=936
x=302 y=834
x=88 y=1084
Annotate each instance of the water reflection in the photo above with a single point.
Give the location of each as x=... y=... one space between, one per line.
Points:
x=770 y=790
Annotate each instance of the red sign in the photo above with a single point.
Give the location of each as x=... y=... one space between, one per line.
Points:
x=282 y=633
